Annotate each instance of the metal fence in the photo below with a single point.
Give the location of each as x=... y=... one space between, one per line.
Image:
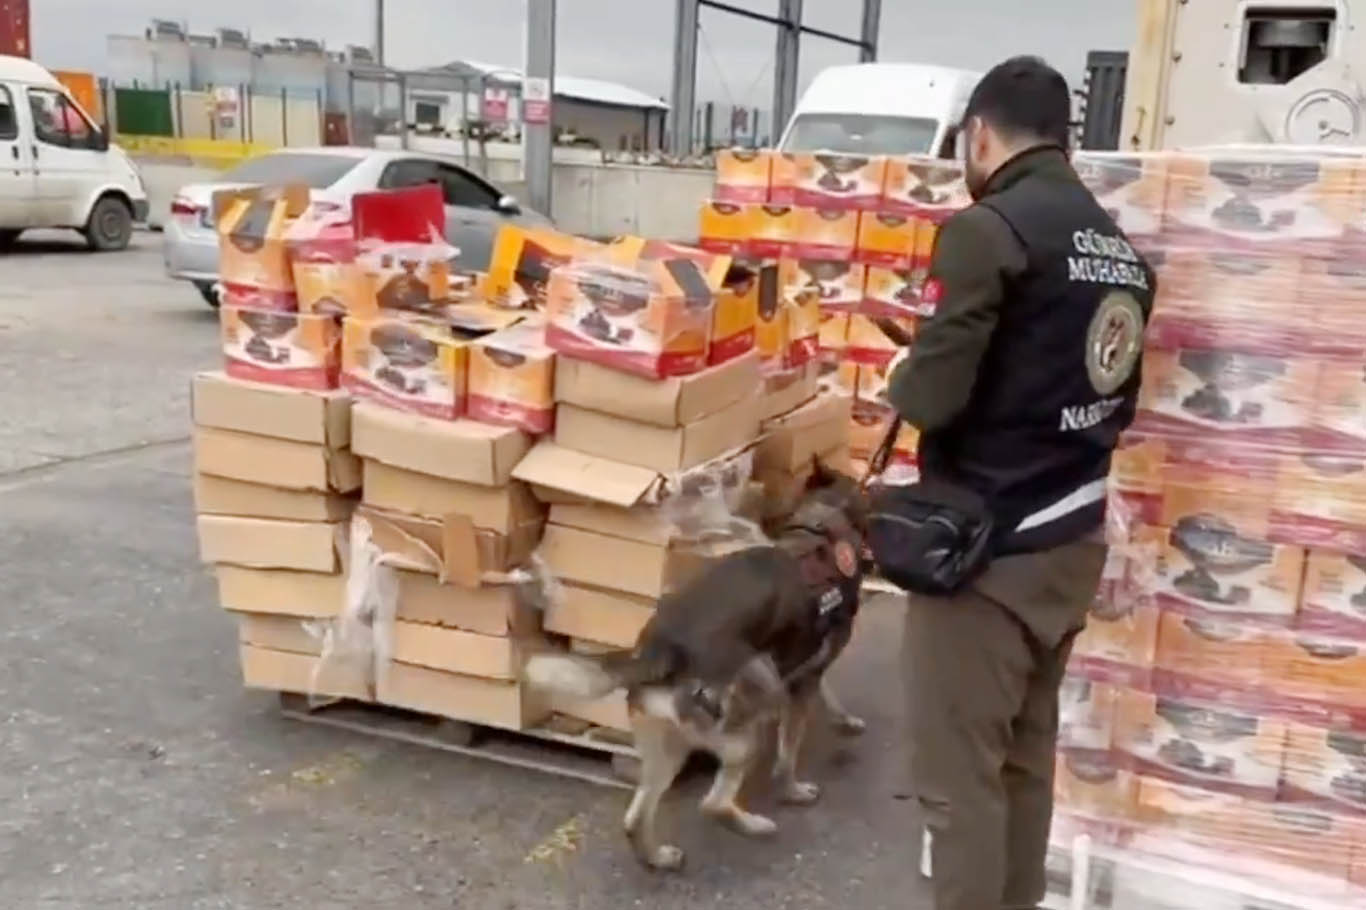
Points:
x=238 y=113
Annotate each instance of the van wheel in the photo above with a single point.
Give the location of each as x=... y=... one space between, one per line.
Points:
x=208 y=292
x=8 y=237
x=110 y=227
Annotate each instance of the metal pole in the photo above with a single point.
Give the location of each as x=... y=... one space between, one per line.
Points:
x=465 y=117
x=351 y=107
x=872 y=24
x=403 y=111
x=284 y=115
x=538 y=138
x=785 y=72
x=379 y=32
x=684 y=93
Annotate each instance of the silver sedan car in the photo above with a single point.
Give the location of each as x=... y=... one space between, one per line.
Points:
x=475 y=209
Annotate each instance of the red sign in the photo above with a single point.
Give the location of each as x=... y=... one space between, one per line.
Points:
x=495 y=105
x=535 y=100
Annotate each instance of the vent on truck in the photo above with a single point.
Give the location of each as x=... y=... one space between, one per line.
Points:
x=1280 y=44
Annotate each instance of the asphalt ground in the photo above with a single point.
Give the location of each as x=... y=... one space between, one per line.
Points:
x=136 y=772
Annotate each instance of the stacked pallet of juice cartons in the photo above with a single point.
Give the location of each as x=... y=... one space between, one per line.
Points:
x=1216 y=718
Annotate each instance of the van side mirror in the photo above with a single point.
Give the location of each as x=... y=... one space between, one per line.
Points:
x=99 y=140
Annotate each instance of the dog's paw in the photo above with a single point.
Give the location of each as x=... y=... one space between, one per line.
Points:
x=849 y=725
x=801 y=793
x=666 y=859
x=751 y=825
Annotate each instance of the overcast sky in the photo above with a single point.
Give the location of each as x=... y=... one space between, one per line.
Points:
x=627 y=41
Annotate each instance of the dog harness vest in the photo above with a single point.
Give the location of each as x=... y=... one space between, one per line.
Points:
x=1059 y=380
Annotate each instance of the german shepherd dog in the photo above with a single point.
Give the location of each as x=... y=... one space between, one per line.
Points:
x=747 y=640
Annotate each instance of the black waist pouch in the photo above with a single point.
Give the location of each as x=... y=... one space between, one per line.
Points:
x=930 y=537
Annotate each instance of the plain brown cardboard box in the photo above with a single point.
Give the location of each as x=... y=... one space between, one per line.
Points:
x=301 y=415
x=609 y=712
x=613 y=563
x=456 y=651
x=646 y=524
x=672 y=402
x=221 y=496
x=508 y=705
x=490 y=610
x=450 y=547
x=560 y=475
x=309 y=595
x=262 y=543
x=274 y=462
x=789 y=389
x=281 y=671
x=502 y=509
x=664 y=450
x=796 y=438
x=278 y=633
x=605 y=617
x=463 y=450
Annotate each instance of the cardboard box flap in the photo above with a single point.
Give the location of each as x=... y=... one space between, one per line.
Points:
x=464 y=450
x=478 y=318
x=670 y=402
x=301 y=415
x=447 y=548
x=295 y=197
x=587 y=476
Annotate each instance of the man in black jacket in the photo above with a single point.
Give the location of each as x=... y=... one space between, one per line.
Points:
x=1020 y=384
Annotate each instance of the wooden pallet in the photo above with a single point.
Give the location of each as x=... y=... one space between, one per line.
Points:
x=591 y=756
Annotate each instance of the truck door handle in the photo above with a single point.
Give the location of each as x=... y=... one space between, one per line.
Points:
x=14 y=152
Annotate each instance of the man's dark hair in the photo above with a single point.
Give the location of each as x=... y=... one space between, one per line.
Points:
x=1024 y=99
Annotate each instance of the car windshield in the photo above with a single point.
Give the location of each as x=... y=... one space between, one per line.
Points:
x=861 y=134
x=317 y=172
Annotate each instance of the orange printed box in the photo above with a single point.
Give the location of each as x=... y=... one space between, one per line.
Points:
x=727 y=227
x=743 y=175
x=823 y=233
x=653 y=321
x=839 y=285
x=829 y=180
x=788 y=335
x=407 y=363
x=929 y=188
x=301 y=350
x=776 y=231
x=512 y=379
x=253 y=249
x=736 y=317
x=886 y=240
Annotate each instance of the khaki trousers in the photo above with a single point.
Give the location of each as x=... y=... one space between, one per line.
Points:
x=983 y=669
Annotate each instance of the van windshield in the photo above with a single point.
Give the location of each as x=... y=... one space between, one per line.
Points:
x=861 y=134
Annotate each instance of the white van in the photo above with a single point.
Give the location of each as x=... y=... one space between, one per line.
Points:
x=881 y=109
x=57 y=168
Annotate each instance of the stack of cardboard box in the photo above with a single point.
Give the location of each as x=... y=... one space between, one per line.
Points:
x=1217 y=710
x=856 y=232
x=275 y=484
x=440 y=503
x=633 y=464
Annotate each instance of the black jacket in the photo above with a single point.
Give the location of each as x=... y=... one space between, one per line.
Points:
x=1024 y=378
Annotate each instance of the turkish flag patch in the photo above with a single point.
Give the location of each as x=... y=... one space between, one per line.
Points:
x=932 y=291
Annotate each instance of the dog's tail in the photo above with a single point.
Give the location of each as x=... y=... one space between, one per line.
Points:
x=576 y=675
x=580 y=675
